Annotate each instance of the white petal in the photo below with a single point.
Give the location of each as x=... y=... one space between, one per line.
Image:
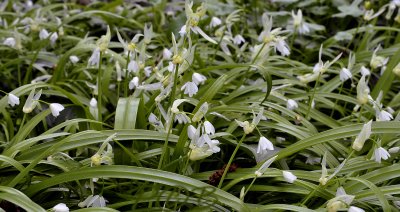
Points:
x=61 y=207
x=209 y=128
x=93 y=103
x=190 y=88
x=291 y=104
x=289 y=176
x=56 y=109
x=13 y=100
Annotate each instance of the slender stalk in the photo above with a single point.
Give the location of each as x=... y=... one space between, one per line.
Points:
x=230 y=160
x=100 y=90
x=312 y=96
x=248 y=188
x=170 y=123
x=219 y=43
x=126 y=75
x=336 y=101
x=252 y=62
x=173 y=91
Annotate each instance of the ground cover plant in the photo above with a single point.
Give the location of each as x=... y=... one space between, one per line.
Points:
x=200 y=106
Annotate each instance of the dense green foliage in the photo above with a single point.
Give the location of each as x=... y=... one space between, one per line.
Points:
x=203 y=106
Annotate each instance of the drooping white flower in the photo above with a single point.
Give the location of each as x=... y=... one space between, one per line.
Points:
x=247 y=127
x=56 y=108
x=215 y=22
x=291 y=104
x=289 y=176
x=93 y=103
x=365 y=71
x=167 y=54
x=53 y=38
x=13 y=100
x=133 y=66
x=264 y=144
x=355 y=209
x=377 y=61
x=176 y=104
x=324 y=172
x=264 y=167
x=322 y=67
x=31 y=101
x=362 y=91
x=381 y=153
x=182 y=118
x=394 y=150
x=148 y=33
x=10 y=42
x=209 y=128
x=282 y=46
x=238 y=39
x=74 y=59
x=383 y=115
x=362 y=137
x=182 y=31
x=93 y=201
x=190 y=88
x=43 y=34
x=299 y=23
x=134 y=83
x=345 y=74
x=156 y=122
x=192 y=132
x=198 y=78
x=60 y=207
x=340 y=201
x=94 y=59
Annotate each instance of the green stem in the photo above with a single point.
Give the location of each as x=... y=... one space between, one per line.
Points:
x=171 y=122
x=312 y=96
x=247 y=190
x=173 y=91
x=360 y=114
x=340 y=91
x=252 y=62
x=99 y=88
x=219 y=43
x=230 y=161
x=126 y=75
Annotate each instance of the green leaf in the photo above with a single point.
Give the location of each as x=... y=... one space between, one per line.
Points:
x=19 y=199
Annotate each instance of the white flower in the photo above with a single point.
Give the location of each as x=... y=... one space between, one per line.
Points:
x=289 y=176
x=264 y=144
x=93 y=201
x=155 y=122
x=247 y=127
x=43 y=34
x=381 y=153
x=94 y=60
x=190 y=88
x=133 y=66
x=322 y=67
x=345 y=74
x=74 y=59
x=264 y=167
x=171 y=66
x=31 y=101
x=238 y=39
x=150 y=87
x=394 y=150
x=362 y=91
x=308 y=77
x=209 y=128
x=9 y=42
x=299 y=24
x=176 y=104
x=282 y=46
x=198 y=78
x=365 y=71
x=13 y=100
x=383 y=115
x=215 y=22
x=133 y=83
x=61 y=207
x=355 y=209
x=324 y=172
x=53 y=38
x=182 y=118
x=291 y=104
x=340 y=201
x=93 y=103
x=167 y=54
x=362 y=137
x=148 y=33
x=56 y=109
x=378 y=61
x=182 y=31
x=192 y=132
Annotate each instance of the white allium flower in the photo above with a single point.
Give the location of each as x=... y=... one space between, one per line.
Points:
x=13 y=100
x=365 y=71
x=282 y=46
x=133 y=66
x=291 y=104
x=9 y=42
x=94 y=59
x=209 y=128
x=148 y=70
x=53 y=38
x=93 y=201
x=340 y=201
x=167 y=54
x=238 y=39
x=345 y=74
x=148 y=33
x=198 y=78
x=61 y=207
x=383 y=115
x=215 y=22
x=176 y=104
x=264 y=144
x=264 y=167
x=43 y=34
x=56 y=108
x=381 y=153
x=74 y=59
x=134 y=83
x=362 y=91
x=190 y=88
x=247 y=127
x=355 y=209
x=289 y=176
x=93 y=103
x=362 y=137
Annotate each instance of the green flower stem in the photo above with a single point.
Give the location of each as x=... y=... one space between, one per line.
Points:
x=230 y=160
x=173 y=91
x=163 y=154
x=248 y=188
x=219 y=43
x=126 y=75
x=312 y=96
x=99 y=88
x=336 y=101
